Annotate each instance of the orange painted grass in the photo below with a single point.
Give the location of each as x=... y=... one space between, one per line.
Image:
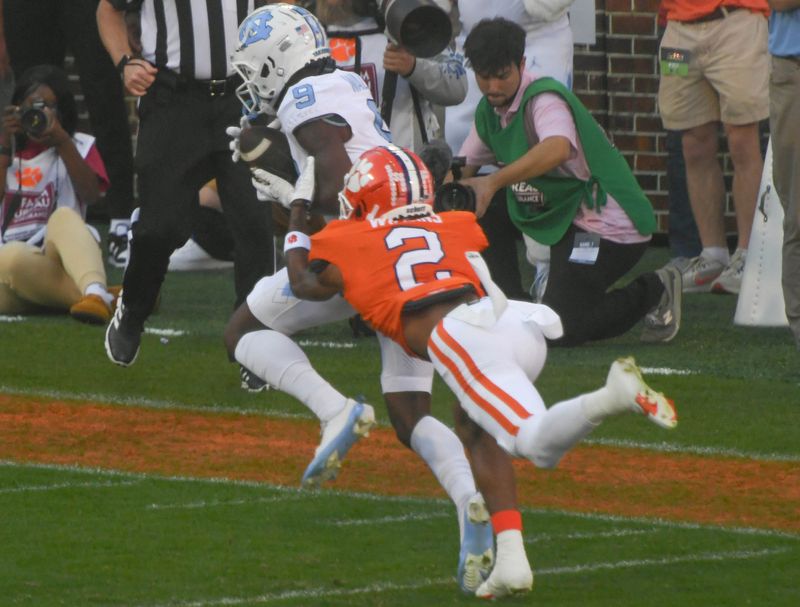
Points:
x=623 y=481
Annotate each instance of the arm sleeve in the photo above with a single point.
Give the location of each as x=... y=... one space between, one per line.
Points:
x=442 y=79
x=475 y=150
x=95 y=162
x=551 y=116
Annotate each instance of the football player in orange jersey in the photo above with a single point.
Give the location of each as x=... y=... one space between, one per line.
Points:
x=427 y=287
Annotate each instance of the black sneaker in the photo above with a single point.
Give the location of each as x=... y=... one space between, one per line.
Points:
x=118 y=248
x=123 y=337
x=251 y=382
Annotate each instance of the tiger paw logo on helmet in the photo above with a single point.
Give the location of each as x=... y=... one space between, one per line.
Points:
x=360 y=176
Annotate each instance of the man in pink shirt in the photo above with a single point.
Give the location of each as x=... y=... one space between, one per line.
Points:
x=567 y=187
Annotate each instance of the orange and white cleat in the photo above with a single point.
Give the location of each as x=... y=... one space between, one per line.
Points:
x=626 y=383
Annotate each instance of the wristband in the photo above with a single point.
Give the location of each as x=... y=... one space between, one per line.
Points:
x=123 y=62
x=296 y=240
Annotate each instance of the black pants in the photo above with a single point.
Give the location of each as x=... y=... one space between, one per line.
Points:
x=684 y=240
x=501 y=254
x=182 y=144
x=580 y=295
x=39 y=32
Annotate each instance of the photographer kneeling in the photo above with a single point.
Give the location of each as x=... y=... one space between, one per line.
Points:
x=50 y=259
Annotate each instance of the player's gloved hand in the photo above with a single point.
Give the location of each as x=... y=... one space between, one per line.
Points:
x=234 y=132
x=270 y=187
x=305 y=184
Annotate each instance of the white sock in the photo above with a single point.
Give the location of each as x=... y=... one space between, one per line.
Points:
x=279 y=361
x=719 y=254
x=100 y=290
x=439 y=446
x=545 y=439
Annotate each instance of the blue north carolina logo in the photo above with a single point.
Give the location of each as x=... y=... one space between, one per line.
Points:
x=255 y=28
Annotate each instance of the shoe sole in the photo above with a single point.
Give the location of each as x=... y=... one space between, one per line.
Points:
x=326 y=465
x=111 y=356
x=658 y=408
x=89 y=318
x=246 y=387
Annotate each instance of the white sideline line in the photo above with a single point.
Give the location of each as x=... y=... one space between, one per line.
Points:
x=7 y=318
x=402 y=518
x=217 y=503
x=546 y=537
x=324 y=593
x=55 y=486
x=399 y=499
x=145 y=403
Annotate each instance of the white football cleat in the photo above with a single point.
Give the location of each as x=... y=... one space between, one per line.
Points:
x=476 y=557
x=339 y=434
x=512 y=573
x=630 y=392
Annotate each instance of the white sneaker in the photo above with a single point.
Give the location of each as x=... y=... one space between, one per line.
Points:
x=630 y=393
x=730 y=280
x=339 y=434
x=512 y=573
x=191 y=256
x=476 y=556
x=700 y=273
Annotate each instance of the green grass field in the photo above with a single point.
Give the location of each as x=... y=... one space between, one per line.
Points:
x=74 y=536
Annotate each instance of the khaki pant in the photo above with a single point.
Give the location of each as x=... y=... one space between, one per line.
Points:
x=728 y=72
x=784 y=120
x=34 y=279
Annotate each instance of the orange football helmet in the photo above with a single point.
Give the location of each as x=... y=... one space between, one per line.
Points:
x=389 y=183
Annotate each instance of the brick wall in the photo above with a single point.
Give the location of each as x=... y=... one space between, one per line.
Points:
x=617 y=79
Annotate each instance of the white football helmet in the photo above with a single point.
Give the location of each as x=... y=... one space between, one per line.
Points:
x=275 y=42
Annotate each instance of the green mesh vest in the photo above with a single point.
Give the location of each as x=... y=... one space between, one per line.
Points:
x=545 y=206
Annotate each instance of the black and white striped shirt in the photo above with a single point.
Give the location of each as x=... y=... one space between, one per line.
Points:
x=194 y=38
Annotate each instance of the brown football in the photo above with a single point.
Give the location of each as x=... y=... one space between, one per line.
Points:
x=266 y=148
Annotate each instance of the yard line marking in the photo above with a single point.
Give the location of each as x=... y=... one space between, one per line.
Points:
x=664 y=447
x=399 y=499
x=55 y=486
x=165 y=332
x=145 y=403
x=347 y=345
x=6 y=318
x=665 y=371
x=580 y=535
x=402 y=518
x=323 y=593
x=216 y=503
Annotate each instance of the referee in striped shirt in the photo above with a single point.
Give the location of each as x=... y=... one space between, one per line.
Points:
x=186 y=89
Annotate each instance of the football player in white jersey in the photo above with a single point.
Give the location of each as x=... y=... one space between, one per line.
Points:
x=327 y=113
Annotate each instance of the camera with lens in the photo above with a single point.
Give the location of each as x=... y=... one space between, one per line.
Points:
x=420 y=26
x=455 y=196
x=34 y=119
